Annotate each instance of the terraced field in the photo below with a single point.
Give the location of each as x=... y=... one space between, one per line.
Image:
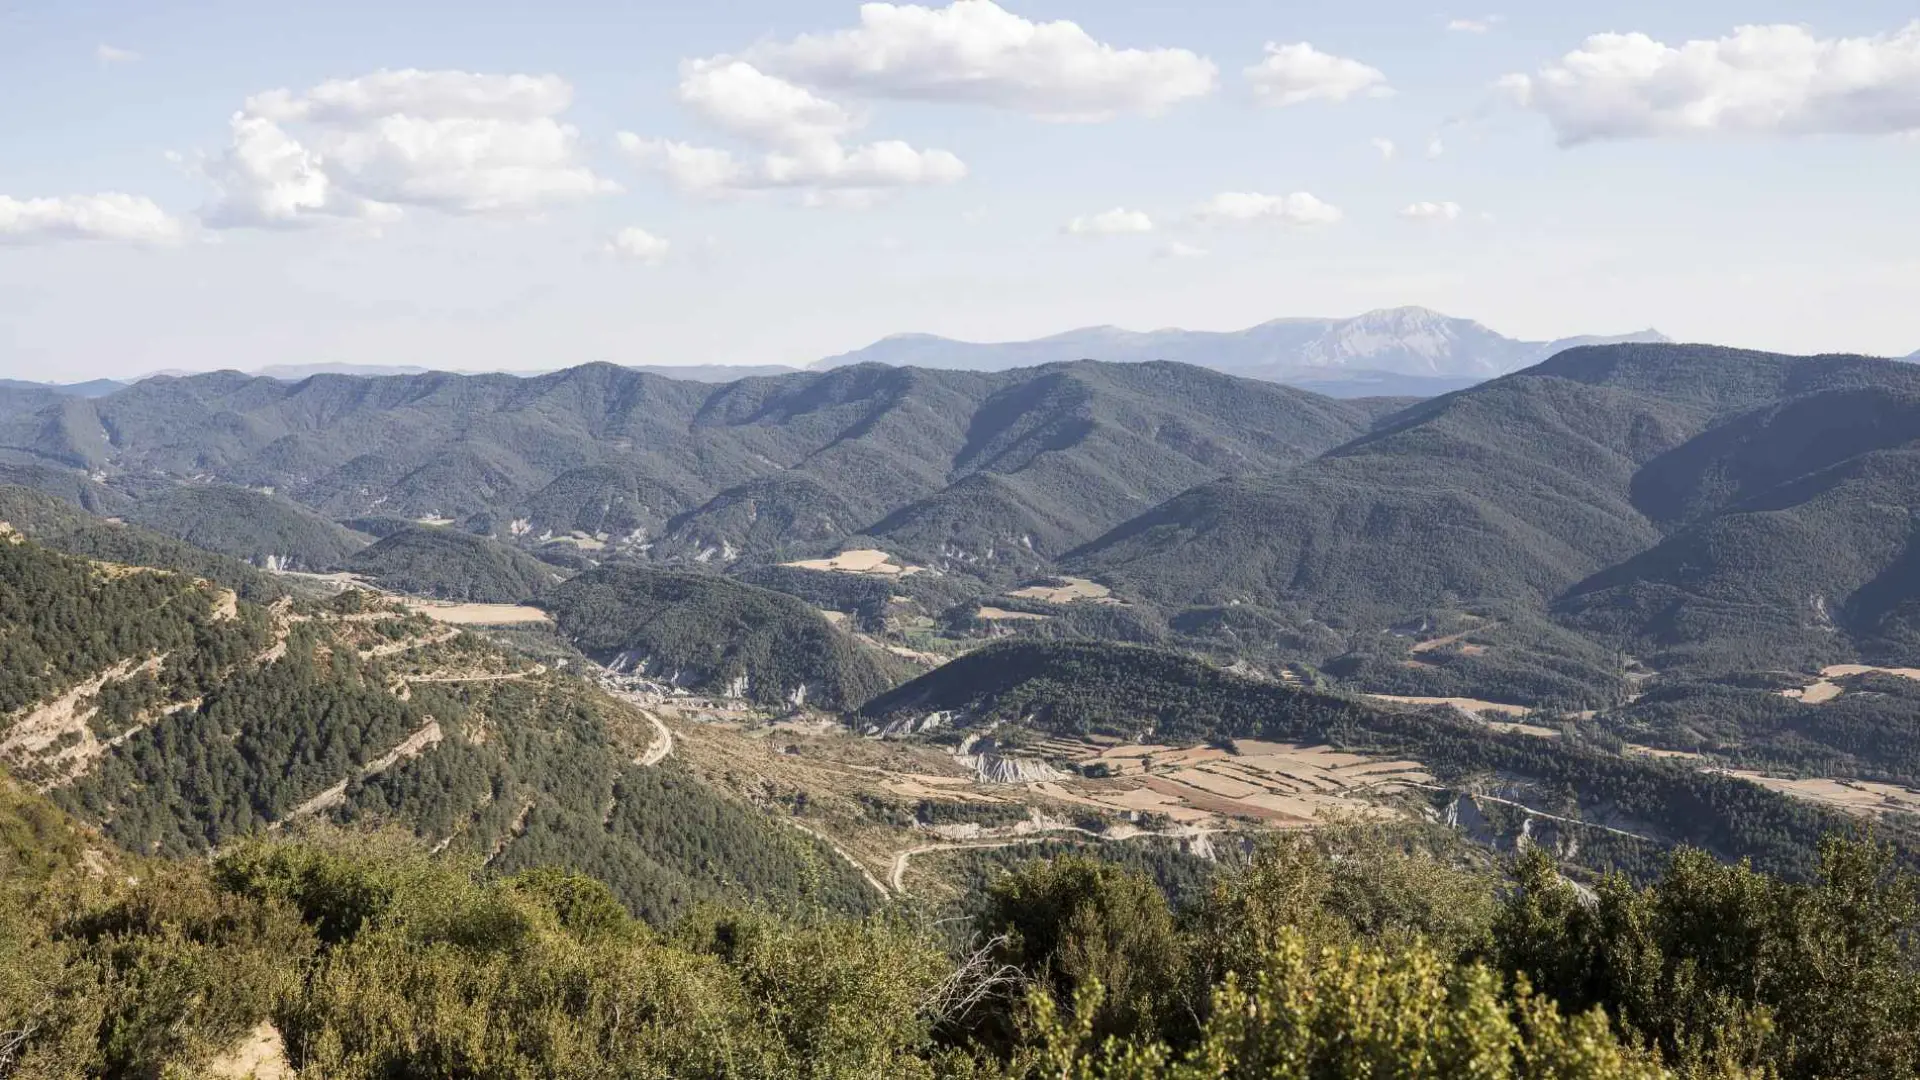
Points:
x=1273 y=784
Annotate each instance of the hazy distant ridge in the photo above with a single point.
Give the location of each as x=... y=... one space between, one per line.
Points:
x=1409 y=341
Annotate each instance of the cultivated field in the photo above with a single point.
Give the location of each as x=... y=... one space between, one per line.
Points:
x=1073 y=590
x=994 y=614
x=1826 y=687
x=1474 y=706
x=861 y=561
x=1859 y=797
x=477 y=614
x=1277 y=784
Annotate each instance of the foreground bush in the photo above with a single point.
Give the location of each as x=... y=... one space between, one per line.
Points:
x=1356 y=952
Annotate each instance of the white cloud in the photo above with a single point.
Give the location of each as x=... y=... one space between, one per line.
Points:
x=740 y=98
x=696 y=170
x=1473 y=26
x=108 y=54
x=889 y=163
x=110 y=215
x=453 y=141
x=700 y=170
x=1759 y=80
x=1435 y=147
x=1293 y=74
x=639 y=245
x=267 y=179
x=1431 y=213
x=1240 y=207
x=1110 y=223
x=976 y=51
x=1385 y=147
x=427 y=95
x=1177 y=250
x=801 y=135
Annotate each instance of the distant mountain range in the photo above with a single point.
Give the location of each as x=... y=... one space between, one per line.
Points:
x=1696 y=507
x=708 y=373
x=1002 y=469
x=1402 y=351
x=96 y=388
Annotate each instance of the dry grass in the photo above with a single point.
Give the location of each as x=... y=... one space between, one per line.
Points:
x=1827 y=687
x=1074 y=590
x=1274 y=783
x=1474 y=706
x=994 y=614
x=860 y=561
x=478 y=614
x=1858 y=797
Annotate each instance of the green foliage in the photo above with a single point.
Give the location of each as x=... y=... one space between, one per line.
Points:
x=244 y=524
x=1722 y=966
x=62 y=526
x=1353 y=1011
x=453 y=565
x=712 y=632
x=67 y=620
x=1075 y=923
x=1354 y=953
x=1354 y=882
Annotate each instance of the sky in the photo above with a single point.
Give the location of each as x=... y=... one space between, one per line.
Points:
x=488 y=185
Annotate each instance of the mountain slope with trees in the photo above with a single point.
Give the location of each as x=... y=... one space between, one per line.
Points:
x=712 y=633
x=448 y=564
x=1678 y=499
x=674 y=468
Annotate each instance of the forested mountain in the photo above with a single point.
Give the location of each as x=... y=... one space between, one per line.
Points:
x=448 y=564
x=1692 y=507
x=252 y=526
x=57 y=524
x=1382 y=348
x=177 y=719
x=1672 y=499
x=715 y=634
x=691 y=470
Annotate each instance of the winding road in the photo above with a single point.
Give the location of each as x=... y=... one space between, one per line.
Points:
x=662 y=745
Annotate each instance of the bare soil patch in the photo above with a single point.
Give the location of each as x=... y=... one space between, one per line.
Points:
x=478 y=614
x=1074 y=590
x=1860 y=797
x=1467 y=705
x=860 y=561
x=994 y=614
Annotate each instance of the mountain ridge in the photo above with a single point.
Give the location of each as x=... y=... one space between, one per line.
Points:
x=603 y=456
x=1708 y=507
x=1410 y=342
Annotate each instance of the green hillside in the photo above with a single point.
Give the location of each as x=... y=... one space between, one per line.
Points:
x=244 y=524
x=176 y=720
x=452 y=565
x=58 y=524
x=1708 y=507
x=675 y=469
x=712 y=633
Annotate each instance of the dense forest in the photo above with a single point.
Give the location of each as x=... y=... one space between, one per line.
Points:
x=451 y=565
x=713 y=633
